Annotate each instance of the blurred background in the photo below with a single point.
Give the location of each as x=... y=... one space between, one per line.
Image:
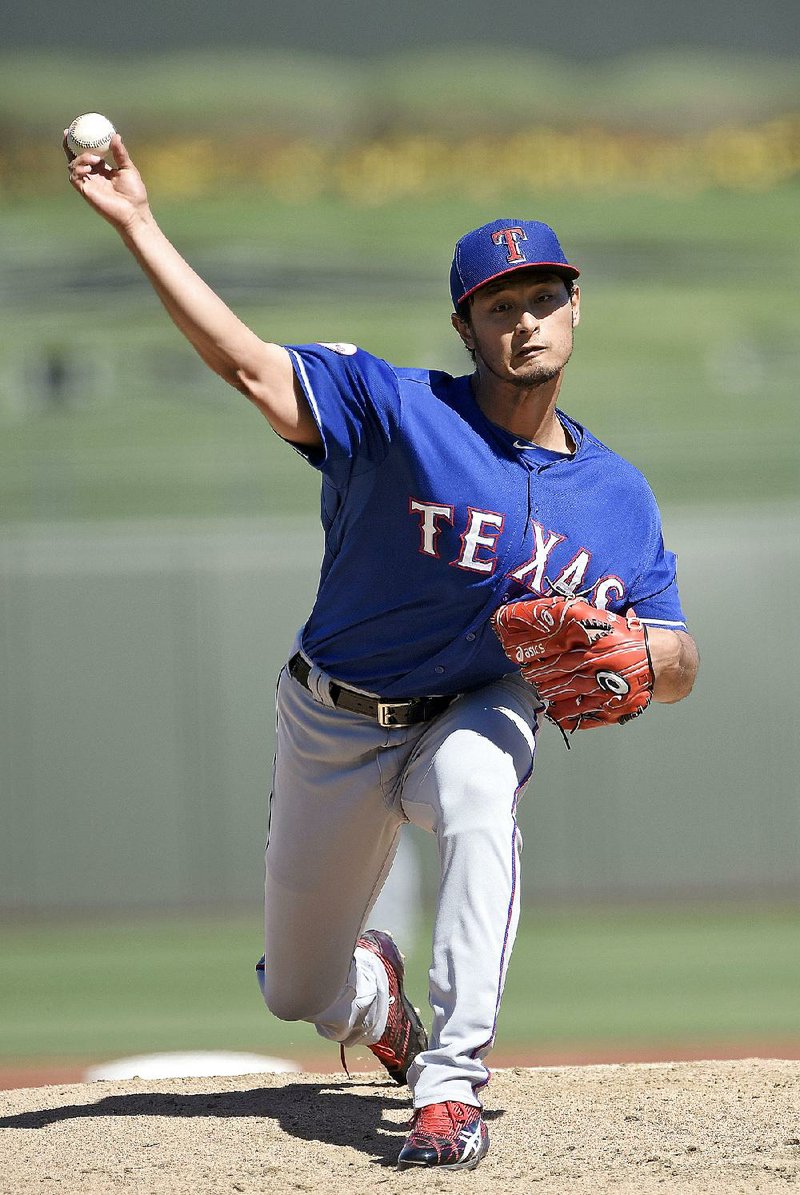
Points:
x=159 y=546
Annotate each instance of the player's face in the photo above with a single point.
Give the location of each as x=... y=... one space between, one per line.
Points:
x=521 y=327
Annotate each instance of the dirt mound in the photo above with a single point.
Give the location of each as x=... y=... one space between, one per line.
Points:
x=690 y=1127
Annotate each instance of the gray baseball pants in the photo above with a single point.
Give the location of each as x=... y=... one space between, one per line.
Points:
x=343 y=786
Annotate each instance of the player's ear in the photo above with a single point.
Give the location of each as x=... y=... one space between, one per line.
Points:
x=575 y=303
x=464 y=330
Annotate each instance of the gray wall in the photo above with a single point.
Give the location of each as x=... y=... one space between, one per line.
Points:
x=582 y=29
x=138 y=666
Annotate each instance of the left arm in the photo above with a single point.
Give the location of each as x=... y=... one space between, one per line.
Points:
x=675 y=661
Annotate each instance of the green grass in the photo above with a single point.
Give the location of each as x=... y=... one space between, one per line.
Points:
x=453 y=89
x=605 y=977
x=752 y=229
x=680 y=974
x=686 y=357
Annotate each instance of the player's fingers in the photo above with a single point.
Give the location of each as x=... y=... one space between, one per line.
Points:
x=80 y=171
x=86 y=161
x=120 y=154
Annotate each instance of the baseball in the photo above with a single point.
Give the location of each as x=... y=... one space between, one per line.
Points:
x=90 y=132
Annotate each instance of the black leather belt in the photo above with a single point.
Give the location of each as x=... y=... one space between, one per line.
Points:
x=385 y=713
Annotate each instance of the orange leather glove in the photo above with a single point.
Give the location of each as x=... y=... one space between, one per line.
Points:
x=590 y=666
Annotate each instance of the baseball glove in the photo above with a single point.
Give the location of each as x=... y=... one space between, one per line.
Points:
x=591 y=667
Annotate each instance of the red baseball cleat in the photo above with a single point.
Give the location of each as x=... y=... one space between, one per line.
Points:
x=450 y=1135
x=404 y=1036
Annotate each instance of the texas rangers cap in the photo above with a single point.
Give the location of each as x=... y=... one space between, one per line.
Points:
x=498 y=248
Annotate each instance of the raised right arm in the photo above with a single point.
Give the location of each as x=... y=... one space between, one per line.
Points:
x=261 y=371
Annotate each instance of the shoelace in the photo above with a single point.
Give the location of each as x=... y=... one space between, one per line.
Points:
x=441 y=1120
x=390 y=1054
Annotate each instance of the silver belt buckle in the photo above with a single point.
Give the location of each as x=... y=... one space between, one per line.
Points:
x=387 y=713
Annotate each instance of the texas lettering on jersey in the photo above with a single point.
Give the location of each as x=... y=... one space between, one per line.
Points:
x=442 y=515
x=478 y=544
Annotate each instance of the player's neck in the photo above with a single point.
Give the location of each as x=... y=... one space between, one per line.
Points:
x=529 y=413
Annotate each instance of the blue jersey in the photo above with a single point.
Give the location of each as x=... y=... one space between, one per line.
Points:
x=434 y=516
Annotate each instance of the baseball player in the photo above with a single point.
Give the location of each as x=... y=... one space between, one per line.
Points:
x=487 y=563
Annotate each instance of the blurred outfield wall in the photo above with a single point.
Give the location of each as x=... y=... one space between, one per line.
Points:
x=137 y=721
x=137 y=661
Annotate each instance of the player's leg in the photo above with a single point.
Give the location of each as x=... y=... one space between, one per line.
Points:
x=462 y=784
x=399 y=902
x=334 y=821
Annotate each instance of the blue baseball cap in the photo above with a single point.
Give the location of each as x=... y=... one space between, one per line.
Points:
x=499 y=248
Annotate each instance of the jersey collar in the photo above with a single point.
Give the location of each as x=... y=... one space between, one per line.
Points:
x=518 y=448
x=533 y=454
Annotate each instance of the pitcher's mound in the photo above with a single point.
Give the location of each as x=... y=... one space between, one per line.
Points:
x=710 y=1127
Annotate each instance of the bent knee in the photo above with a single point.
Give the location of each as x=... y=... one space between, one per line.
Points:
x=479 y=772
x=288 y=1002
x=289 y=1005
x=484 y=800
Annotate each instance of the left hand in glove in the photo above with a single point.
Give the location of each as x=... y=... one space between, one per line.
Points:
x=591 y=667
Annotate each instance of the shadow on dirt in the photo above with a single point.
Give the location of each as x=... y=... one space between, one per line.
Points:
x=315 y=1111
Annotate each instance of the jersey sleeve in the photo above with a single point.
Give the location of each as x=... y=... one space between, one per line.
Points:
x=654 y=593
x=662 y=608
x=355 y=400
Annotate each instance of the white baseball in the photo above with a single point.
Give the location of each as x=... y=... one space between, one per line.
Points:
x=90 y=132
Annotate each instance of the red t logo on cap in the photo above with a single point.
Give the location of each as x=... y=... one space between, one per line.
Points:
x=512 y=237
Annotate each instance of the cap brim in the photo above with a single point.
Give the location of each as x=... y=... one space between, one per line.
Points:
x=551 y=267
